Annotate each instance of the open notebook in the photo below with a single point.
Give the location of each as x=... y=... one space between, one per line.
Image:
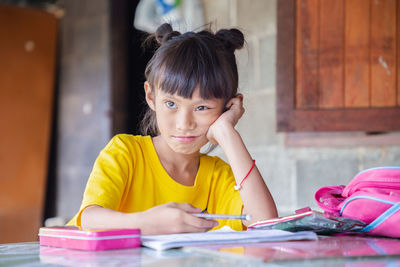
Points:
x=224 y=235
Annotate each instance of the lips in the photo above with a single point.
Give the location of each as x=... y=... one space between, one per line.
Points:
x=185 y=139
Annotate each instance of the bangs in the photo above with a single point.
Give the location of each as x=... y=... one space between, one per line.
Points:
x=190 y=64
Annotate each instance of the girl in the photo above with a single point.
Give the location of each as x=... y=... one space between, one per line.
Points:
x=157 y=183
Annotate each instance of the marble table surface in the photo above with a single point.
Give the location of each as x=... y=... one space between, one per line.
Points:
x=326 y=251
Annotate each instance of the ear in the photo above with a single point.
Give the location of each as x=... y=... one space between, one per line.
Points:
x=149 y=94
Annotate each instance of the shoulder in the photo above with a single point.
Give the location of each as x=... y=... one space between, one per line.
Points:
x=127 y=145
x=128 y=141
x=218 y=165
x=125 y=149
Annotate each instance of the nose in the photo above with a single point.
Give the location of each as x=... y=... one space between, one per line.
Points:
x=185 y=121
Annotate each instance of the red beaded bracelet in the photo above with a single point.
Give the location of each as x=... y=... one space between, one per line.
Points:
x=237 y=187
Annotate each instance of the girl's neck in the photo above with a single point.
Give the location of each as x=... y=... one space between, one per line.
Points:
x=181 y=167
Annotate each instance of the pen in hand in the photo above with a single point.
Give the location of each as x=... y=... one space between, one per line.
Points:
x=246 y=217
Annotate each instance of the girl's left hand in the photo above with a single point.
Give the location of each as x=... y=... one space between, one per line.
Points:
x=229 y=118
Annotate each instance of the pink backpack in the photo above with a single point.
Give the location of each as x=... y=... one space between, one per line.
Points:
x=373 y=196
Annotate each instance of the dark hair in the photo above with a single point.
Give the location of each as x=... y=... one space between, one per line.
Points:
x=186 y=61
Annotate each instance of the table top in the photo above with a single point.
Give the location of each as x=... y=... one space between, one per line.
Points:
x=333 y=250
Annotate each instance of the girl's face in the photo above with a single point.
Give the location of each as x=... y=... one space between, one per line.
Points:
x=183 y=123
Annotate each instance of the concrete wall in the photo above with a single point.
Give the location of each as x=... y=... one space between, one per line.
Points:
x=84 y=98
x=292 y=174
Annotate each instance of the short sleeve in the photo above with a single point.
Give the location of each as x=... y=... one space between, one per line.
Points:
x=224 y=199
x=108 y=178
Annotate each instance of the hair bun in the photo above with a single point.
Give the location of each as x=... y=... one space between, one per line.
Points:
x=232 y=39
x=165 y=33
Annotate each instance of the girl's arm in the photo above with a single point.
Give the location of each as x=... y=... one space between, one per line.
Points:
x=255 y=195
x=163 y=219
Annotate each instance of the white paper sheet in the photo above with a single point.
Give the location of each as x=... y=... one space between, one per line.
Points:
x=223 y=236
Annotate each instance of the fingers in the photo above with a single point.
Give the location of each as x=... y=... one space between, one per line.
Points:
x=200 y=222
x=185 y=222
x=195 y=224
x=236 y=101
x=235 y=105
x=240 y=96
x=230 y=103
x=186 y=207
x=195 y=221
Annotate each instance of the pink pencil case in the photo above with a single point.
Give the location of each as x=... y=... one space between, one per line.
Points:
x=104 y=239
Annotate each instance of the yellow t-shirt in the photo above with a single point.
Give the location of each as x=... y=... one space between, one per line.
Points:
x=127 y=176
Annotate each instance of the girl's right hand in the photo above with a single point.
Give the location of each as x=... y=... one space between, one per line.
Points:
x=174 y=218
x=227 y=120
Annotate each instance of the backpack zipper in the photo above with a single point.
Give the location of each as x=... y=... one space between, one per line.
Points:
x=368 y=184
x=354 y=186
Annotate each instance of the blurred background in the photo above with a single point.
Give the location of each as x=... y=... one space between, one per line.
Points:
x=320 y=80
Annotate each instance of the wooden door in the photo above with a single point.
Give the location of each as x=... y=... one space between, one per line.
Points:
x=27 y=68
